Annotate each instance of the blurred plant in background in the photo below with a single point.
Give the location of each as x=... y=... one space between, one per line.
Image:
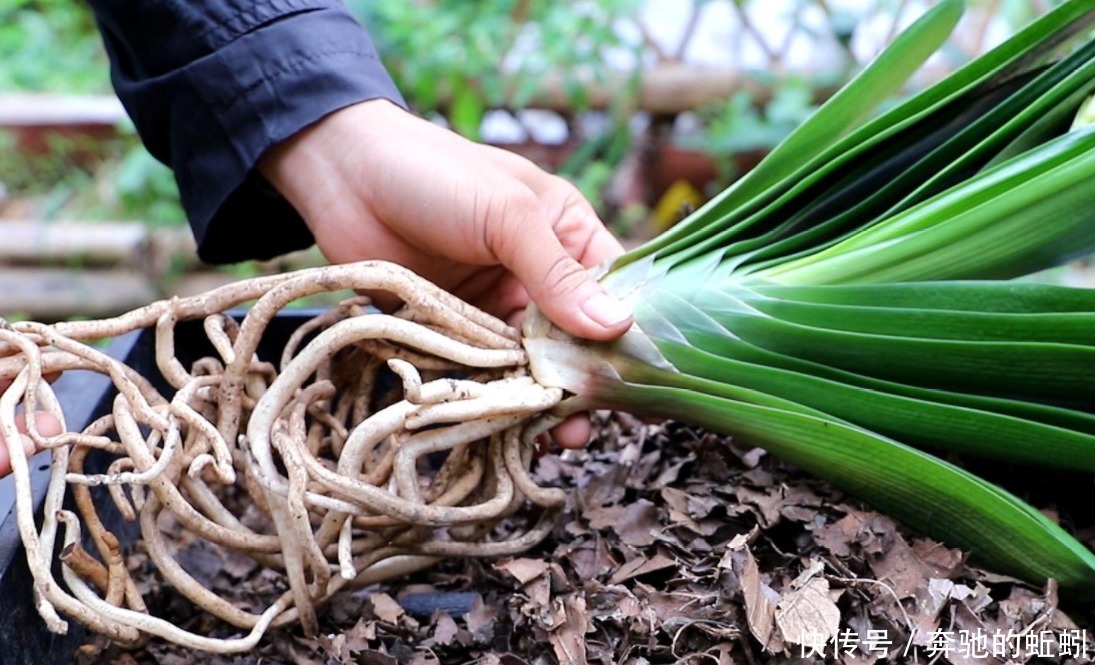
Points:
x=143 y=187
x=53 y=46
x=50 y=45
x=459 y=59
x=90 y=178
x=648 y=106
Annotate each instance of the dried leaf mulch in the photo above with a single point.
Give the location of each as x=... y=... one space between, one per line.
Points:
x=678 y=546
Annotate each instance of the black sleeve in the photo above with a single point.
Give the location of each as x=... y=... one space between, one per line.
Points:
x=211 y=85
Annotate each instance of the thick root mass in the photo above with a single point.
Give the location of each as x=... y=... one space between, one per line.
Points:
x=326 y=468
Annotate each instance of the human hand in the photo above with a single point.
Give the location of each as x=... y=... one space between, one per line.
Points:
x=46 y=424
x=373 y=181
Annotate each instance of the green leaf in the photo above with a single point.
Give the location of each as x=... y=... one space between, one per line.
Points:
x=787 y=312
x=757 y=216
x=848 y=107
x=1028 y=214
x=701 y=339
x=924 y=492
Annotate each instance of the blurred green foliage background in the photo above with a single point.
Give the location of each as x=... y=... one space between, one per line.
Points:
x=459 y=61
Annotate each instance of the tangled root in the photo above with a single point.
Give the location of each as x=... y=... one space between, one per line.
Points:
x=341 y=475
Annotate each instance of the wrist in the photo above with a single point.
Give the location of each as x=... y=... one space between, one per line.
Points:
x=310 y=168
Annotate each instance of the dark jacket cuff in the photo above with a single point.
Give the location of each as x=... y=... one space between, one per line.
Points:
x=214 y=118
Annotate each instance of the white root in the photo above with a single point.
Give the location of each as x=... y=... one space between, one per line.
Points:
x=321 y=467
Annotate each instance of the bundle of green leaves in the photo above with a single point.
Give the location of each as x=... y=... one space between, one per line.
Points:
x=850 y=304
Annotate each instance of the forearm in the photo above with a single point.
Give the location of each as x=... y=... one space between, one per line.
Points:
x=213 y=85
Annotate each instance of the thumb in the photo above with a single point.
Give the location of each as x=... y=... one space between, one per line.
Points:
x=561 y=287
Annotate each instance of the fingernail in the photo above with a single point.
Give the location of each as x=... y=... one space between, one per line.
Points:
x=606 y=310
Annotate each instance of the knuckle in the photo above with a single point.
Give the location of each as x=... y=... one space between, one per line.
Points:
x=519 y=203
x=566 y=190
x=574 y=211
x=563 y=276
x=508 y=209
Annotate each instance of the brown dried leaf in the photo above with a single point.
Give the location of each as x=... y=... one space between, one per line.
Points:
x=549 y=468
x=700 y=507
x=641 y=566
x=639 y=524
x=603 y=517
x=374 y=657
x=807 y=615
x=522 y=569
x=239 y=565
x=800 y=504
x=444 y=631
x=480 y=619
x=685 y=509
x=760 y=611
x=974 y=624
x=940 y=560
x=797 y=513
x=386 y=608
x=360 y=634
x=334 y=647
x=871 y=532
x=698 y=616
x=900 y=570
x=759 y=477
x=802 y=495
x=202 y=560
x=665 y=606
x=590 y=560
x=903 y=570
x=569 y=637
x=605 y=489
x=537 y=600
x=925 y=615
x=676 y=499
x=834 y=538
x=876 y=533
x=423 y=658
x=942 y=591
x=615 y=602
x=670 y=473
x=767 y=503
x=752 y=457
